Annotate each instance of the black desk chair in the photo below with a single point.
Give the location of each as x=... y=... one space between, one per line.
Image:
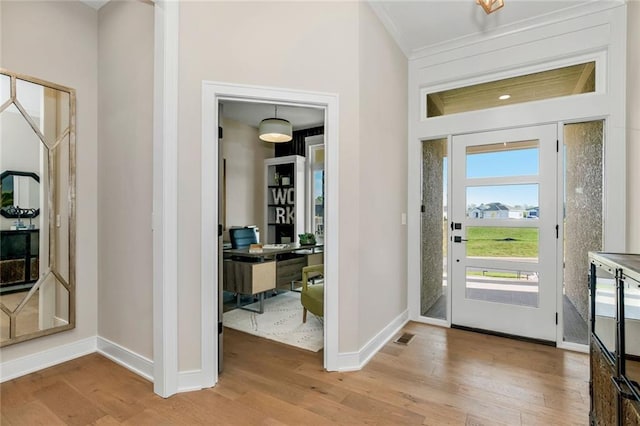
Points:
x=242 y=237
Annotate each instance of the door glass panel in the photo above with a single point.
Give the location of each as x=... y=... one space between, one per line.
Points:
x=503 y=202
x=502 y=286
x=632 y=330
x=503 y=159
x=583 y=177
x=433 y=288
x=502 y=242
x=605 y=315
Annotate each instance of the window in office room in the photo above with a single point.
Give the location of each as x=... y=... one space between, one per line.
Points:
x=316 y=200
x=565 y=81
x=433 y=283
x=583 y=178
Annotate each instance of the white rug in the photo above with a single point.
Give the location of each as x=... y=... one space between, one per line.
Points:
x=281 y=321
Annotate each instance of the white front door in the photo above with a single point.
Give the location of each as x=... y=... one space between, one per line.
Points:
x=504 y=231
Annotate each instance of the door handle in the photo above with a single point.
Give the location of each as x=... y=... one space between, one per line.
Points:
x=458 y=239
x=456 y=225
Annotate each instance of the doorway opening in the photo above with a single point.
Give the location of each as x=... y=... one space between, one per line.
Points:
x=212 y=180
x=273 y=240
x=526 y=207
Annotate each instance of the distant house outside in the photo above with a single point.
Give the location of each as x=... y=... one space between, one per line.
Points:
x=490 y=211
x=502 y=211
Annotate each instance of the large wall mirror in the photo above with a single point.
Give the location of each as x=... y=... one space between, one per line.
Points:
x=37 y=209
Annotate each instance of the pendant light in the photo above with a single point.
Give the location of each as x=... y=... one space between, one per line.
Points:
x=490 y=6
x=275 y=129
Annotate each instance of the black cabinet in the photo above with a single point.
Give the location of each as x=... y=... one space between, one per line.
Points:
x=19 y=259
x=614 y=283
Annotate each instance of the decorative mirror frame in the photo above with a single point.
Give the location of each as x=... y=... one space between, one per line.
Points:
x=70 y=286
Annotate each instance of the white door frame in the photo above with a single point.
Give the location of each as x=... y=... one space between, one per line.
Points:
x=212 y=93
x=164 y=217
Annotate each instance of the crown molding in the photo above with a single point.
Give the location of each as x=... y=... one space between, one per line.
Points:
x=95 y=4
x=576 y=11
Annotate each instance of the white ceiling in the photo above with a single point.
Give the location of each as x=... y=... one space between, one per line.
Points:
x=422 y=24
x=253 y=113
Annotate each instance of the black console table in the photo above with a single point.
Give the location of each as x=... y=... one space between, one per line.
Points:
x=19 y=259
x=614 y=282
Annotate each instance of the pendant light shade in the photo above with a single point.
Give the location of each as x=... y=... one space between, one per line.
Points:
x=490 y=6
x=275 y=129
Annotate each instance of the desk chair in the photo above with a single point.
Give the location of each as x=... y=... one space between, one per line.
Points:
x=239 y=268
x=242 y=237
x=312 y=295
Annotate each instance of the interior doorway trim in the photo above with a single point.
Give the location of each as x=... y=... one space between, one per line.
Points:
x=164 y=217
x=212 y=93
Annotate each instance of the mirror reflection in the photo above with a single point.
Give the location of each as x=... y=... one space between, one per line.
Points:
x=20 y=197
x=37 y=221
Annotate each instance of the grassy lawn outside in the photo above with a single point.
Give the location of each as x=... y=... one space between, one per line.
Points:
x=497 y=242
x=502 y=242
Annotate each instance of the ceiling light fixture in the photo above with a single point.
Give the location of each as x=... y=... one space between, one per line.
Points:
x=275 y=129
x=504 y=97
x=490 y=6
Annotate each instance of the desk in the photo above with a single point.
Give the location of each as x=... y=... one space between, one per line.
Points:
x=253 y=273
x=270 y=253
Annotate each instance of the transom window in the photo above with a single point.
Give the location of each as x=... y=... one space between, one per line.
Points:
x=565 y=81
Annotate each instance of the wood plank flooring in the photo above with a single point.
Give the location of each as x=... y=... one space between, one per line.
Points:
x=443 y=377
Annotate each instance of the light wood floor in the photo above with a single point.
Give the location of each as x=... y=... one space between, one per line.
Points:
x=442 y=377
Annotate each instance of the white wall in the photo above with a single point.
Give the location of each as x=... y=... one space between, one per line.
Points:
x=60 y=46
x=244 y=153
x=125 y=91
x=383 y=180
x=307 y=46
x=633 y=126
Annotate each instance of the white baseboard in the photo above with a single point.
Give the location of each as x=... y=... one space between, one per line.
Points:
x=142 y=366
x=47 y=358
x=130 y=360
x=353 y=361
x=189 y=381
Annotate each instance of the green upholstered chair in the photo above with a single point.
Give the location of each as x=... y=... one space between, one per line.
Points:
x=312 y=295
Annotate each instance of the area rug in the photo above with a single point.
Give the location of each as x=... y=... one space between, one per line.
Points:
x=281 y=321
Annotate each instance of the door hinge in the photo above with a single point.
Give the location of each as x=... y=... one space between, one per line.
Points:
x=219 y=132
x=422 y=208
x=557 y=145
x=556 y=318
x=557 y=231
x=219 y=230
x=220 y=328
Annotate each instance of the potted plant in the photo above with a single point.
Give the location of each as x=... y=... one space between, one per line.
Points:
x=307 y=239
